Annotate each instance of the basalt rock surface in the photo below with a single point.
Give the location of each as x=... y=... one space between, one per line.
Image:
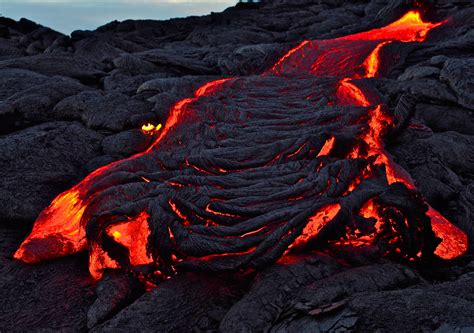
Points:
x=71 y=104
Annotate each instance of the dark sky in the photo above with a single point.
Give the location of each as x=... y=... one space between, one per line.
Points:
x=69 y=15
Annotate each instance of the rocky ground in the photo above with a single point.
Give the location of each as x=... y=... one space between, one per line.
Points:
x=70 y=104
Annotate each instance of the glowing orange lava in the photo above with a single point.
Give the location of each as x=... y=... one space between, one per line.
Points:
x=454 y=241
x=133 y=234
x=372 y=62
x=317 y=222
x=328 y=145
x=60 y=224
x=286 y=56
x=327 y=61
x=349 y=94
x=60 y=228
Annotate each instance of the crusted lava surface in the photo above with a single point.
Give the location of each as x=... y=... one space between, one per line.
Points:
x=289 y=166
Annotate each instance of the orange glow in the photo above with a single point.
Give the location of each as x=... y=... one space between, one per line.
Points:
x=276 y=67
x=338 y=56
x=348 y=93
x=372 y=63
x=210 y=87
x=146 y=180
x=328 y=145
x=409 y=28
x=59 y=229
x=178 y=212
x=369 y=210
x=133 y=234
x=412 y=27
x=210 y=210
x=454 y=241
x=60 y=225
x=316 y=222
x=98 y=261
x=178 y=110
x=293 y=154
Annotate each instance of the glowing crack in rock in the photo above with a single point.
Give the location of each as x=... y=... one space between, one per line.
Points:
x=233 y=181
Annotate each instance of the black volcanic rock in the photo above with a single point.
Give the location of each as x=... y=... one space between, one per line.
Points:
x=198 y=301
x=98 y=110
x=126 y=143
x=87 y=71
x=13 y=80
x=442 y=118
x=42 y=161
x=459 y=73
x=34 y=105
x=70 y=104
x=114 y=292
x=54 y=296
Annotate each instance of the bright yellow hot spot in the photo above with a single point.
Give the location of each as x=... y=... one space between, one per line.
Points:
x=116 y=234
x=409 y=19
x=150 y=128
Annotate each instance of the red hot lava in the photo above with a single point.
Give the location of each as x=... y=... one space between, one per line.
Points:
x=118 y=228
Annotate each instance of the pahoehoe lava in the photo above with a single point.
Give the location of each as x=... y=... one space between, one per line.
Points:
x=241 y=174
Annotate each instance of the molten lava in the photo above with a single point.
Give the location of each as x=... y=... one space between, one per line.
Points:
x=150 y=128
x=226 y=187
x=317 y=222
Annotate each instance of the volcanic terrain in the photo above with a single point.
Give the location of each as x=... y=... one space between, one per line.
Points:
x=289 y=166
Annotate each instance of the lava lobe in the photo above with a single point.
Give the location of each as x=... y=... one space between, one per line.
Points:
x=250 y=168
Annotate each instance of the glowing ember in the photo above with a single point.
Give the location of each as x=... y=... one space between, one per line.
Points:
x=317 y=222
x=150 y=128
x=326 y=149
x=175 y=205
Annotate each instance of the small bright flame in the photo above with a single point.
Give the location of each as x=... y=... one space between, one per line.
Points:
x=151 y=129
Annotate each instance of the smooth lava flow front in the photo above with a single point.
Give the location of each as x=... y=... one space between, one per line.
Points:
x=249 y=169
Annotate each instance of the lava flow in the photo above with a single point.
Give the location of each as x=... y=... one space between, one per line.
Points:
x=251 y=167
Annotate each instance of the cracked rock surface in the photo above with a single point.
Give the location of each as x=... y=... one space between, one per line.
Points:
x=70 y=104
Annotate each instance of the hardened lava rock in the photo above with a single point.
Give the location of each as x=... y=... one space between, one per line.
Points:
x=72 y=104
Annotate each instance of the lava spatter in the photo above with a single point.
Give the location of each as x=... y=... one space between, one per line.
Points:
x=247 y=168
